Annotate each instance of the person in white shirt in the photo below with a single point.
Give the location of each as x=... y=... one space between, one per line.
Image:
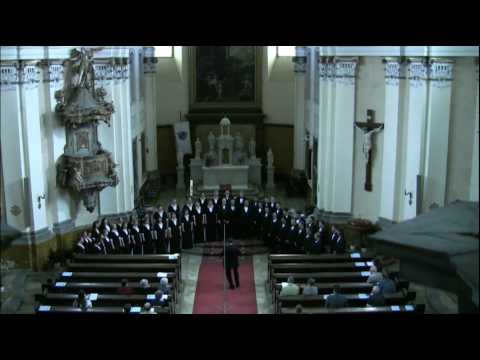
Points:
x=83 y=302
x=290 y=288
x=375 y=277
x=148 y=309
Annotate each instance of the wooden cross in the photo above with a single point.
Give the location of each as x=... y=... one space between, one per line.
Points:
x=369 y=128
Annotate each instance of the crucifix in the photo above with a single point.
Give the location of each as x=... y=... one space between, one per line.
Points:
x=369 y=128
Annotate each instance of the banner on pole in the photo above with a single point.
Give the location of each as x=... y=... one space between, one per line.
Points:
x=182 y=137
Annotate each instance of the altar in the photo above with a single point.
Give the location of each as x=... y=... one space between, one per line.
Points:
x=234 y=175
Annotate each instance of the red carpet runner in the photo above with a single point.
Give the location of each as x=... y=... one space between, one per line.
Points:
x=210 y=297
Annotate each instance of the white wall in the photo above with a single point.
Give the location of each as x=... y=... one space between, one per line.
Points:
x=370 y=94
x=462 y=129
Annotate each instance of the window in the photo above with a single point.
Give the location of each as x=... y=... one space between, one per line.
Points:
x=163 y=51
x=285 y=50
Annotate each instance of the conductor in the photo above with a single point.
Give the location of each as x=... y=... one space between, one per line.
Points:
x=232 y=252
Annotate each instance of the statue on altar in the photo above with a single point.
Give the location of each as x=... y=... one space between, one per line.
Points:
x=239 y=156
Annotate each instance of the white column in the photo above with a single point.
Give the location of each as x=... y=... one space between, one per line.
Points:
x=437 y=132
x=322 y=101
x=416 y=115
x=150 y=113
x=343 y=135
x=329 y=131
x=300 y=66
x=474 y=173
x=13 y=163
x=391 y=137
x=32 y=137
x=127 y=128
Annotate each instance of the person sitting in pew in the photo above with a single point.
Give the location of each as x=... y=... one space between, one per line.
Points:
x=336 y=300
x=387 y=285
x=127 y=308
x=159 y=301
x=376 y=266
x=299 y=309
x=310 y=289
x=82 y=302
x=164 y=286
x=290 y=288
x=125 y=289
x=144 y=284
x=375 y=277
x=148 y=309
x=376 y=297
x=48 y=286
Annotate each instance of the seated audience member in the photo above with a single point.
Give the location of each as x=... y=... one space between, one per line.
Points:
x=290 y=288
x=82 y=302
x=310 y=289
x=375 y=277
x=376 y=297
x=158 y=301
x=125 y=289
x=376 y=266
x=164 y=286
x=48 y=286
x=127 y=308
x=336 y=300
x=298 y=309
x=387 y=285
x=148 y=309
x=144 y=284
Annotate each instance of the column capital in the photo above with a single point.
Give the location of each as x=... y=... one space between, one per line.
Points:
x=394 y=70
x=440 y=71
x=150 y=65
x=300 y=64
x=9 y=75
x=417 y=70
x=345 y=69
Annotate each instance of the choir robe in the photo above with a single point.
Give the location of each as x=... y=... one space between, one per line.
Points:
x=239 y=204
x=175 y=238
x=246 y=220
x=105 y=227
x=114 y=235
x=274 y=234
x=291 y=238
x=225 y=226
x=160 y=216
x=161 y=240
x=266 y=229
x=234 y=223
x=88 y=243
x=175 y=209
x=198 y=236
x=257 y=222
x=99 y=248
x=300 y=240
x=211 y=224
x=317 y=245
x=109 y=246
x=189 y=208
x=228 y=199
x=308 y=243
x=187 y=232
x=125 y=235
x=337 y=243
x=135 y=241
x=217 y=203
x=80 y=248
x=203 y=203
x=283 y=235
x=146 y=235
x=279 y=213
x=95 y=233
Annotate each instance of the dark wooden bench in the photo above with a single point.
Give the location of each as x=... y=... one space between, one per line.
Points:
x=354 y=300
x=113 y=310
x=405 y=309
x=103 y=300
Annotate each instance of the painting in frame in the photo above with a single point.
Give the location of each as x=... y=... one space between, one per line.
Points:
x=225 y=77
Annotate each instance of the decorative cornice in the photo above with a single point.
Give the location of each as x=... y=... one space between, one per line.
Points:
x=417 y=71
x=440 y=72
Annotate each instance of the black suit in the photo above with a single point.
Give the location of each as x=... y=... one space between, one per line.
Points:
x=231 y=255
x=338 y=242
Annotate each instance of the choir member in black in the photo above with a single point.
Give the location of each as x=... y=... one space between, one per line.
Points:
x=114 y=235
x=308 y=241
x=233 y=216
x=188 y=206
x=105 y=225
x=239 y=200
x=187 y=230
x=81 y=247
x=228 y=197
x=203 y=201
x=146 y=231
x=160 y=237
x=108 y=243
x=198 y=224
x=135 y=240
x=216 y=200
x=337 y=241
x=211 y=222
x=131 y=221
x=300 y=239
x=278 y=210
x=266 y=224
x=310 y=224
x=95 y=231
x=224 y=225
x=175 y=234
x=292 y=236
x=99 y=247
x=258 y=218
x=272 y=203
x=174 y=208
x=317 y=246
x=274 y=232
x=160 y=215
x=283 y=235
x=246 y=219
x=125 y=235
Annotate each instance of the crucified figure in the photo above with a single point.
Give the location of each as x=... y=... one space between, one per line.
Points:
x=367 y=140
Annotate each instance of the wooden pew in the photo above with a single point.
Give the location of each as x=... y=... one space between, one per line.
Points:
x=354 y=300
x=405 y=309
x=124 y=267
x=157 y=259
x=103 y=300
x=112 y=310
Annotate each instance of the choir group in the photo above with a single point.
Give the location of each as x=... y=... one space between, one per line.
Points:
x=209 y=220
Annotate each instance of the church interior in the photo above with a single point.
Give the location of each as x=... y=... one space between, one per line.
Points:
x=321 y=179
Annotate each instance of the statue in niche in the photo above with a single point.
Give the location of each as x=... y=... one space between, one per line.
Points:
x=198 y=149
x=270 y=158
x=211 y=156
x=251 y=147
